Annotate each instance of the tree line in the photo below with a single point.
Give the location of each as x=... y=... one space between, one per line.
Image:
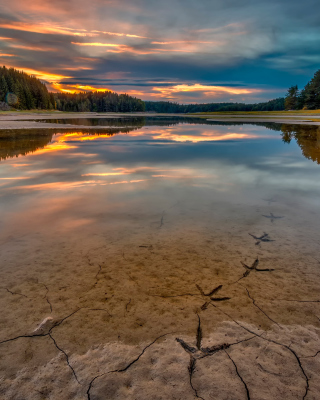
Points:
x=24 y=92
x=170 y=107
x=307 y=98
x=98 y=102
x=21 y=91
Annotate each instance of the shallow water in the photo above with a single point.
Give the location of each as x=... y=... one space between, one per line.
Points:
x=131 y=226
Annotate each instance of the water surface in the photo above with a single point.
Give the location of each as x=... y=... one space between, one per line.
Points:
x=123 y=225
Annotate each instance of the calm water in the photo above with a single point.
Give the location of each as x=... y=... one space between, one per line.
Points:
x=147 y=166
x=155 y=162
x=113 y=231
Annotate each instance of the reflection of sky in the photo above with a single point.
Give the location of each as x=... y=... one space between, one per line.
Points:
x=194 y=162
x=180 y=133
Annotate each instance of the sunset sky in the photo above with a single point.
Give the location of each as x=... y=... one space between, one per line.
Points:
x=177 y=50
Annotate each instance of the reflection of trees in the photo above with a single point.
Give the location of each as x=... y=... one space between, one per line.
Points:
x=21 y=142
x=14 y=143
x=307 y=137
x=137 y=122
x=140 y=122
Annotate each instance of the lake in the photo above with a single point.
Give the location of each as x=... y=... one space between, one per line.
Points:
x=117 y=241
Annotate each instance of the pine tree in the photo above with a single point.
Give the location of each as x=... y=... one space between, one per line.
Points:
x=3 y=88
x=291 y=100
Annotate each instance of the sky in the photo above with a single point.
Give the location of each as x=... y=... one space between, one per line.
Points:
x=178 y=50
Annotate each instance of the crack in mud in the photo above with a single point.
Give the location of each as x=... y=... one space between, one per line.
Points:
x=263 y=312
x=126 y=367
x=46 y=296
x=56 y=324
x=315 y=355
x=37 y=335
x=14 y=293
x=127 y=305
x=97 y=274
x=301 y=301
x=96 y=278
x=268 y=372
x=237 y=372
x=277 y=343
x=66 y=355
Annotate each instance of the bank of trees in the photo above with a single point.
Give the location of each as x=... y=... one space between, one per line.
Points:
x=22 y=91
x=169 y=107
x=308 y=98
x=98 y=102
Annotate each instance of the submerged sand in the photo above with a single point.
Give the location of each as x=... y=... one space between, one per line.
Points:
x=97 y=314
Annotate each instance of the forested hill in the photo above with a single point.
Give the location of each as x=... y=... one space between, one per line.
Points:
x=169 y=107
x=22 y=91
x=98 y=102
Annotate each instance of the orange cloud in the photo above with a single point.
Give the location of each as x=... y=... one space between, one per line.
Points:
x=97 y=44
x=53 y=29
x=119 y=48
x=16 y=178
x=91 y=88
x=6 y=55
x=104 y=174
x=32 y=48
x=55 y=185
x=43 y=28
x=70 y=185
x=183 y=41
x=77 y=68
x=76 y=88
x=215 y=91
x=46 y=28
x=122 y=48
x=46 y=76
x=120 y=34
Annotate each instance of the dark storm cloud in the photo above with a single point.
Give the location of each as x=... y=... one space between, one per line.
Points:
x=146 y=45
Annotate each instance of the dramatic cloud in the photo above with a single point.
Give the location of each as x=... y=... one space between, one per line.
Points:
x=210 y=50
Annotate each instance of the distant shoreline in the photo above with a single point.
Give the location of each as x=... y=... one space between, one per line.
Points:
x=17 y=120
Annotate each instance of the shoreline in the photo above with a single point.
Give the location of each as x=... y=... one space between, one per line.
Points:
x=17 y=121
